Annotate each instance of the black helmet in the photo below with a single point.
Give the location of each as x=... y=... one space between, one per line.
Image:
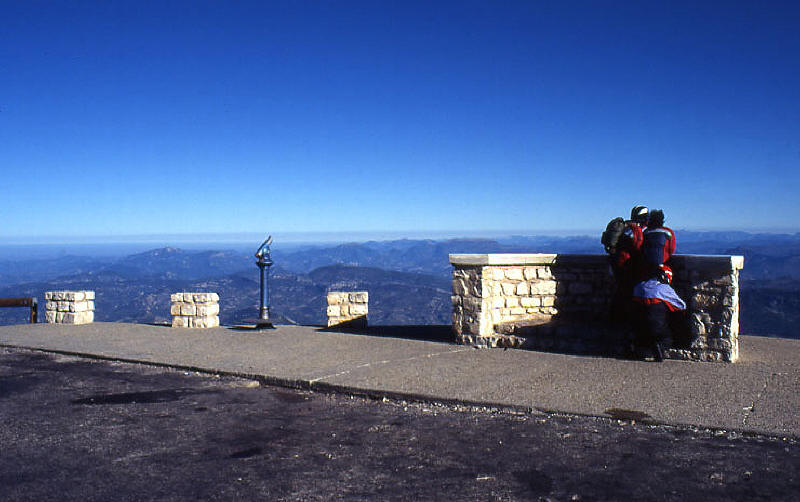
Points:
x=657 y=218
x=640 y=214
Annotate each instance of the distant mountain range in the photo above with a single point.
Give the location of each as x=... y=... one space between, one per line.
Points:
x=408 y=280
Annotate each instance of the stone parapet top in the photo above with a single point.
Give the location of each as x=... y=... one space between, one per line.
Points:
x=731 y=262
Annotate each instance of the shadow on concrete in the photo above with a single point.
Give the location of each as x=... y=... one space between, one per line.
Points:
x=575 y=333
x=425 y=332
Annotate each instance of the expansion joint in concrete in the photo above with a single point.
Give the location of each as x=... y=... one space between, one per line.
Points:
x=387 y=361
x=748 y=411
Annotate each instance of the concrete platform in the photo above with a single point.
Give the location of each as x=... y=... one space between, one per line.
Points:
x=759 y=394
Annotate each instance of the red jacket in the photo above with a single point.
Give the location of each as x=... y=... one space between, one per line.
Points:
x=630 y=245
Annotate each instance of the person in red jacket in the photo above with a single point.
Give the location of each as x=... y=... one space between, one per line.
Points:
x=654 y=300
x=626 y=263
x=658 y=244
x=630 y=243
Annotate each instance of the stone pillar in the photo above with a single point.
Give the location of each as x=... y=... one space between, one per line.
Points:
x=348 y=309
x=194 y=310
x=69 y=307
x=710 y=286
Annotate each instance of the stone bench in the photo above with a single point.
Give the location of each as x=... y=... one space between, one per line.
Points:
x=561 y=302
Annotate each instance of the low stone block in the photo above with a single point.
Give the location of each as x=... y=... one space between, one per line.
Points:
x=360 y=297
x=203 y=322
x=208 y=310
x=358 y=310
x=180 y=321
x=79 y=306
x=60 y=303
x=514 y=274
x=349 y=309
x=335 y=298
x=543 y=288
x=202 y=298
x=74 y=296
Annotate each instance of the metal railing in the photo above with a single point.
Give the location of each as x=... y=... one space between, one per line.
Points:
x=23 y=302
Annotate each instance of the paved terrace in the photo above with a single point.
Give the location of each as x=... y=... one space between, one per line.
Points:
x=760 y=393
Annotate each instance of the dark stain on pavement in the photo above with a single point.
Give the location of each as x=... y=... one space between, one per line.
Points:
x=623 y=414
x=17 y=383
x=147 y=397
x=248 y=453
x=538 y=483
x=289 y=397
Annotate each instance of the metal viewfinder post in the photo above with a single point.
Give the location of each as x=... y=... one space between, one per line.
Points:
x=264 y=261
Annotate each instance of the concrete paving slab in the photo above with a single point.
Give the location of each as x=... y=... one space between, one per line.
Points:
x=775 y=408
x=760 y=393
x=674 y=392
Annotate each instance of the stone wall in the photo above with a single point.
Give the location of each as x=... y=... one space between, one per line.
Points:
x=69 y=307
x=348 y=309
x=194 y=310
x=561 y=302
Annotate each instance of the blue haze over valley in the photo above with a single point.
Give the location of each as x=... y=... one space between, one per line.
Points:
x=408 y=279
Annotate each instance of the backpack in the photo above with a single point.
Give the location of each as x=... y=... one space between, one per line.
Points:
x=611 y=236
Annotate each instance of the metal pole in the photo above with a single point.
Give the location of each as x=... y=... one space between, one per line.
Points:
x=264 y=308
x=266 y=295
x=264 y=261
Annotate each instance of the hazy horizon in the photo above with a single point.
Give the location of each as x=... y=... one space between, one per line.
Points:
x=120 y=245
x=295 y=237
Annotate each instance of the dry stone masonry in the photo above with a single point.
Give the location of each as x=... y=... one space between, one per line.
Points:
x=69 y=307
x=194 y=310
x=561 y=303
x=348 y=308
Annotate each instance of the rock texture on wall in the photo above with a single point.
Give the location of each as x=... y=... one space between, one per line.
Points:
x=561 y=302
x=348 y=308
x=194 y=310
x=69 y=307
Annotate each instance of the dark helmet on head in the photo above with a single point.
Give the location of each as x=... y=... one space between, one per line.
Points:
x=640 y=214
x=656 y=218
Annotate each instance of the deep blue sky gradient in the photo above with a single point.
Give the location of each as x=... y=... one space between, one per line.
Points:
x=140 y=117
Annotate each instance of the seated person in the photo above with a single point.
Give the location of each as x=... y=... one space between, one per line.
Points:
x=653 y=300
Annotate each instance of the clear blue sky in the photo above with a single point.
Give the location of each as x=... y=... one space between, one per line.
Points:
x=172 y=117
